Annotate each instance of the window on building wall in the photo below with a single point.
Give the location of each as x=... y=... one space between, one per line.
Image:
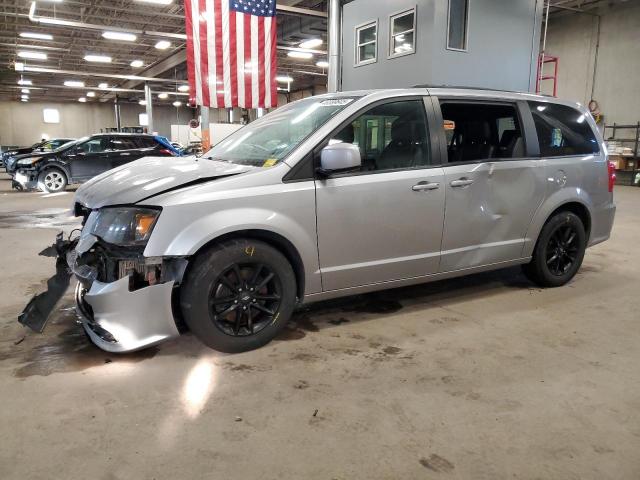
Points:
x=366 y=43
x=51 y=115
x=402 y=33
x=458 y=24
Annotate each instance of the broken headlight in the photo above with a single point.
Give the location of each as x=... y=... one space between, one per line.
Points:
x=124 y=225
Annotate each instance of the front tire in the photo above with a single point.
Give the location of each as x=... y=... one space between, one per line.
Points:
x=559 y=251
x=52 y=180
x=238 y=295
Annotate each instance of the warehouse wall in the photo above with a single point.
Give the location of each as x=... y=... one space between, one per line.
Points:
x=573 y=38
x=22 y=123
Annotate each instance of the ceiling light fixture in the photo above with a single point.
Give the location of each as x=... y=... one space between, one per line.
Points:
x=183 y=88
x=126 y=37
x=24 y=100
x=97 y=58
x=163 y=44
x=297 y=54
x=322 y=64
x=25 y=97
x=91 y=94
x=74 y=83
x=25 y=90
x=142 y=102
x=103 y=85
x=25 y=82
x=284 y=79
x=18 y=66
x=32 y=55
x=82 y=100
x=36 y=36
x=311 y=43
x=163 y=96
x=176 y=103
x=137 y=63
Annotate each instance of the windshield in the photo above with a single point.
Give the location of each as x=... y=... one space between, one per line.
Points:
x=268 y=140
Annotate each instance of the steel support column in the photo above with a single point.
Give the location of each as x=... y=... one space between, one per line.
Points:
x=335 y=25
x=148 y=99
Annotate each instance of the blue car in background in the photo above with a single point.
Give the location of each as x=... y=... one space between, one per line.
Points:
x=83 y=159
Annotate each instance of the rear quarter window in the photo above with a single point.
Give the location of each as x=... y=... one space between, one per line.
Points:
x=562 y=130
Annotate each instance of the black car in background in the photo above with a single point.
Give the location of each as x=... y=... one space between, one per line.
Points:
x=7 y=158
x=85 y=158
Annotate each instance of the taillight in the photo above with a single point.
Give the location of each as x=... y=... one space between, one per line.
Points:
x=166 y=151
x=611 y=169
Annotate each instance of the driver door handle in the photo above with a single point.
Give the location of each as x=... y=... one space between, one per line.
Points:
x=461 y=182
x=425 y=186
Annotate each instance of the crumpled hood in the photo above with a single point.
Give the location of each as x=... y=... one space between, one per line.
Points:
x=150 y=176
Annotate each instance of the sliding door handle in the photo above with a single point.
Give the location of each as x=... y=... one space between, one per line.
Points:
x=419 y=187
x=461 y=182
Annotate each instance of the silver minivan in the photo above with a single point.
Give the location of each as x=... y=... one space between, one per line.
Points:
x=336 y=195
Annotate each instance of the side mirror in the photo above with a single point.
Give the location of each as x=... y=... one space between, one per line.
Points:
x=339 y=156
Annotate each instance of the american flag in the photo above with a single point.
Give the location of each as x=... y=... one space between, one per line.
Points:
x=231 y=52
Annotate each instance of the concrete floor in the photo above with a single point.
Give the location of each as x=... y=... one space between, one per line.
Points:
x=486 y=377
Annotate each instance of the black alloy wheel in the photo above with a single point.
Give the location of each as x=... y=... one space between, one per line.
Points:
x=245 y=298
x=237 y=295
x=562 y=249
x=559 y=251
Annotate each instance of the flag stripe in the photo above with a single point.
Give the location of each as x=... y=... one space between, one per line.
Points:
x=267 y=63
x=255 y=61
x=261 y=60
x=204 y=58
x=226 y=50
x=191 y=68
x=219 y=64
x=248 y=59
x=233 y=58
x=274 y=63
x=211 y=54
x=240 y=55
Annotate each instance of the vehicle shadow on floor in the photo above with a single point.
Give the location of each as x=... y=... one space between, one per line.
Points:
x=384 y=303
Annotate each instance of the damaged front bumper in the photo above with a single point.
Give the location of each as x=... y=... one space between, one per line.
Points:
x=125 y=303
x=25 y=180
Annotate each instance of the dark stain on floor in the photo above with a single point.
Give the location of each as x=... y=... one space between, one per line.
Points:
x=69 y=351
x=436 y=463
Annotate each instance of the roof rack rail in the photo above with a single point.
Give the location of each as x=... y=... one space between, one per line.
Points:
x=465 y=88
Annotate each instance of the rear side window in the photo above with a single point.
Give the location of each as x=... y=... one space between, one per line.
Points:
x=123 y=143
x=562 y=130
x=146 y=142
x=481 y=131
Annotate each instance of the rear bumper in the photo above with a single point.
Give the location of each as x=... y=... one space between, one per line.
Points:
x=120 y=320
x=602 y=223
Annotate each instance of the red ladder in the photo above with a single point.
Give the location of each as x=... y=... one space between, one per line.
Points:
x=541 y=63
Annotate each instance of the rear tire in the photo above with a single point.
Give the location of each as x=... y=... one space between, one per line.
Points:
x=238 y=295
x=52 y=180
x=559 y=251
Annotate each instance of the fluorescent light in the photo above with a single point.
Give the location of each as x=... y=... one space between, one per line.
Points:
x=183 y=88
x=18 y=66
x=284 y=79
x=25 y=90
x=127 y=37
x=97 y=58
x=163 y=95
x=143 y=119
x=142 y=102
x=176 y=103
x=24 y=100
x=74 y=83
x=37 y=36
x=322 y=64
x=51 y=115
x=91 y=94
x=157 y=2
x=312 y=43
x=32 y=55
x=103 y=85
x=25 y=82
x=296 y=54
x=82 y=100
x=137 y=63
x=163 y=44
x=25 y=97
